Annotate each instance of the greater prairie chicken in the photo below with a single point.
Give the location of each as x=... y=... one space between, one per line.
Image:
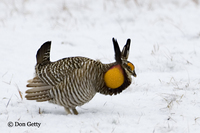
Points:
x=74 y=81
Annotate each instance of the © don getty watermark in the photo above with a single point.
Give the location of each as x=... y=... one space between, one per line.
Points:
x=23 y=124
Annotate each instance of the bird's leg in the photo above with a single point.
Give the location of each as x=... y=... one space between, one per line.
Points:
x=67 y=110
x=75 y=111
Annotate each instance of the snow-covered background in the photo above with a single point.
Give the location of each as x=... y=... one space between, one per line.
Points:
x=165 y=49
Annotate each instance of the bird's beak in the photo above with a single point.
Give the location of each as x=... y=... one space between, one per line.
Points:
x=134 y=74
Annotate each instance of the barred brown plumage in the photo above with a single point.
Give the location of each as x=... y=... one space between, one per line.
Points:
x=74 y=81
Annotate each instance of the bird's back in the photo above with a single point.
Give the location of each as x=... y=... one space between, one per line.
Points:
x=53 y=73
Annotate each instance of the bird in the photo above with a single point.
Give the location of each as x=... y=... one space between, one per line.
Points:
x=74 y=81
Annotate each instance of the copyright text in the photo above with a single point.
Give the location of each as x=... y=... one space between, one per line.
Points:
x=23 y=124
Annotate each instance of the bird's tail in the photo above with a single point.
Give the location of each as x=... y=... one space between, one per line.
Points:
x=39 y=91
x=43 y=54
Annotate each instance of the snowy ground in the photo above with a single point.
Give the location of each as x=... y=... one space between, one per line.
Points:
x=165 y=48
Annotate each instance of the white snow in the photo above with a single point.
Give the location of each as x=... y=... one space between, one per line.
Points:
x=165 y=49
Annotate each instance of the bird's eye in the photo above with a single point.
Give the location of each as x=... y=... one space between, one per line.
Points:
x=132 y=67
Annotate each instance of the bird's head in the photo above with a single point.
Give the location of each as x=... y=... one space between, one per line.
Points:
x=118 y=77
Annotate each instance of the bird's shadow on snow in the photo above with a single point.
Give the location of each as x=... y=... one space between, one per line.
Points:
x=61 y=111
